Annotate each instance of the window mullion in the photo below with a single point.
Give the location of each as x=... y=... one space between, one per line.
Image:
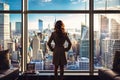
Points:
x=25 y=34
x=91 y=37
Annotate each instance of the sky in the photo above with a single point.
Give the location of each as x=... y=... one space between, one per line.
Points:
x=59 y=4
x=14 y=4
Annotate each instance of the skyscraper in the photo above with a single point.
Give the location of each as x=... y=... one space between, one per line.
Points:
x=84 y=32
x=18 y=27
x=40 y=22
x=4 y=25
x=84 y=44
x=110 y=38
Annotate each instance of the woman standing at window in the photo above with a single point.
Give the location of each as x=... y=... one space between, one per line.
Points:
x=59 y=36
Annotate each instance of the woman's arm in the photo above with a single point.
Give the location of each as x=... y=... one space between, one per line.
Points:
x=69 y=43
x=49 y=42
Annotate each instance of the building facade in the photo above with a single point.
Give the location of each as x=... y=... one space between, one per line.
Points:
x=18 y=27
x=4 y=26
x=40 y=26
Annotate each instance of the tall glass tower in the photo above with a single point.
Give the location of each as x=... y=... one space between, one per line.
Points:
x=18 y=27
x=40 y=22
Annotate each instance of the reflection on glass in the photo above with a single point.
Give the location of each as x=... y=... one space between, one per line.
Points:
x=58 y=4
x=10 y=4
x=107 y=39
x=10 y=37
x=40 y=28
x=107 y=4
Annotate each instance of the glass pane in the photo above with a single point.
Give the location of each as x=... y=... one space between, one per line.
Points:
x=58 y=4
x=106 y=39
x=10 y=4
x=77 y=28
x=107 y=4
x=10 y=37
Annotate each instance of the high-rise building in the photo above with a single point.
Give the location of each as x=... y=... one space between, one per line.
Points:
x=84 y=32
x=84 y=43
x=40 y=25
x=10 y=30
x=4 y=26
x=109 y=40
x=84 y=48
x=18 y=27
x=115 y=28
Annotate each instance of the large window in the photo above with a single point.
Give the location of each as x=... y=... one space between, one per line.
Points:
x=106 y=38
x=10 y=37
x=42 y=25
x=11 y=29
x=93 y=27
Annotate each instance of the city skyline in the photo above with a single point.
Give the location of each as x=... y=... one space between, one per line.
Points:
x=49 y=20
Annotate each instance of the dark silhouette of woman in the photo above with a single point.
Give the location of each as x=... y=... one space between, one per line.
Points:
x=59 y=36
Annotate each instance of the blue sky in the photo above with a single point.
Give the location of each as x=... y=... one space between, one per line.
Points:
x=59 y=4
x=48 y=4
x=56 y=4
x=14 y=4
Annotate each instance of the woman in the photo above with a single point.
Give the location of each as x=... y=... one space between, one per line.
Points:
x=59 y=36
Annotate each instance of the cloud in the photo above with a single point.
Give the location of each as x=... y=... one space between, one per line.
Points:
x=75 y=1
x=40 y=0
x=102 y=1
x=78 y=1
x=46 y=0
x=84 y=0
x=99 y=1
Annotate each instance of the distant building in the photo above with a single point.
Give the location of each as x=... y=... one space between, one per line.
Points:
x=40 y=25
x=4 y=26
x=84 y=48
x=18 y=27
x=10 y=30
x=115 y=28
x=84 y=32
x=83 y=65
x=109 y=38
x=37 y=52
